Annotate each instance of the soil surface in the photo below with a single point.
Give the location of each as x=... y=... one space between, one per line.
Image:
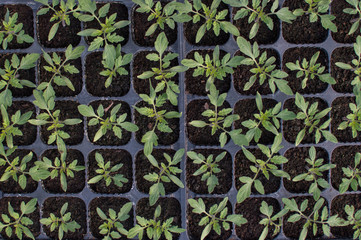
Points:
x=76 y=207
x=109 y=139
x=301 y=30
x=106 y=203
x=242 y=75
x=115 y=156
x=343 y=77
x=195 y=183
x=75 y=184
x=313 y=85
x=197 y=85
x=10 y=185
x=95 y=83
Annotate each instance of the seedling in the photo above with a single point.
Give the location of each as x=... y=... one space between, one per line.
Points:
x=356 y=68
x=213 y=68
x=167 y=173
x=355 y=10
x=216 y=218
x=314 y=219
x=51 y=118
x=257 y=14
x=59 y=67
x=112 y=227
x=353 y=176
x=318 y=9
x=20 y=223
x=113 y=123
x=106 y=34
x=354 y=219
x=264 y=68
x=60 y=16
x=9 y=126
x=16 y=168
x=262 y=167
x=59 y=168
x=269 y=119
x=310 y=69
x=353 y=120
x=10 y=76
x=211 y=17
x=209 y=168
x=154 y=228
x=164 y=73
x=220 y=120
x=271 y=222
x=107 y=173
x=314 y=174
x=161 y=15
x=311 y=117
x=63 y=223
x=114 y=62
x=10 y=29
x=150 y=138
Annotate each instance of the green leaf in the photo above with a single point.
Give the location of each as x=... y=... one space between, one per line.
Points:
x=161 y=43
x=200 y=33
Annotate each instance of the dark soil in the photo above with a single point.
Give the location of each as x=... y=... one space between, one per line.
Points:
x=313 y=85
x=301 y=31
x=246 y=108
x=10 y=185
x=65 y=35
x=76 y=207
x=264 y=34
x=340 y=109
x=115 y=156
x=242 y=75
x=292 y=127
x=297 y=165
x=15 y=203
x=343 y=157
x=94 y=82
x=338 y=207
x=140 y=26
x=25 y=16
x=293 y=230
x=68 y=109
x=195 y=184
x=193 y=219
x=201 y=136
x=144 y=167
x=28 y=74
x=122 y=14
x=146 y=124
x=209 y=38
x=170 y=209
x=343 y=77
x=28 y=130
x=242 y=168
x=343 y=22
x=197 y=85
x=141 y=64
x=76 y=79
x=252 y=230
x=75 y=184
x=109 y=138
x=106 y=203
